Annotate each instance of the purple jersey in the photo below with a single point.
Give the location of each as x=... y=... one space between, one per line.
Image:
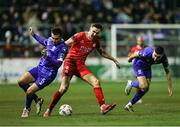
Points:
x=142 y=64
x=55 y=53
x=145 y=59
x=47 y=69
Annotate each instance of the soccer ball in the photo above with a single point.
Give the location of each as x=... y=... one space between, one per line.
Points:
x=65 y=110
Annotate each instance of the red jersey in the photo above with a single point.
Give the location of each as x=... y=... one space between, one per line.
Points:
x=82 y=47
x=136 y=48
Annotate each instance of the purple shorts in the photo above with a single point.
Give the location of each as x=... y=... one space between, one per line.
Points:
x=142 y=72
x=43 y=77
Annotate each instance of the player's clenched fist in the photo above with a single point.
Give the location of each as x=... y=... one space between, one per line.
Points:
x=31 y=31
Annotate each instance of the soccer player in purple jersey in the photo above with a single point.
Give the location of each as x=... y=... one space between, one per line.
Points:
x=45 y=72
x=143 y=60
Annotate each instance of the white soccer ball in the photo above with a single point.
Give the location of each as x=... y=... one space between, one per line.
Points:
x=65 y=110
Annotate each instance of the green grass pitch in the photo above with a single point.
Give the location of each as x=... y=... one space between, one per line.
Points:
x=157 y=108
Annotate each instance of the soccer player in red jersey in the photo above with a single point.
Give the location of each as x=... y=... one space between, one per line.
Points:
x=82 y=44
x=139 y=46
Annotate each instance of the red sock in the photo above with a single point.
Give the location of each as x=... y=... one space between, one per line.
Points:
x=99 y=95
x=55 y=100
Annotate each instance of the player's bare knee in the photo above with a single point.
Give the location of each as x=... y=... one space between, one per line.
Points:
x=20 y=81
x=29 y=92
x=96 y=83
x=63 y=89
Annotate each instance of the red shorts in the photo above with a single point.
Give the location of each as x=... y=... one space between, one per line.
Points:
x=73 y=68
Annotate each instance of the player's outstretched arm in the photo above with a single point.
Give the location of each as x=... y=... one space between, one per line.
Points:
x=38 y=38
x=169 y=79
x=106 y=55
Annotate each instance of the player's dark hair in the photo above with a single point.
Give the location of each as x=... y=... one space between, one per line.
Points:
x=56 y=31
x=159 y=50
x=97 y=25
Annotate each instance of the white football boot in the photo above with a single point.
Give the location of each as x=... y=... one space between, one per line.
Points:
x=25 y=113
x=129 y=107
x=39 y=105
x=128 y=87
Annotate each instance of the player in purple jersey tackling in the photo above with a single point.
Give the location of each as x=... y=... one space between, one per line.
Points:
x=143 y=60
x=45 y=72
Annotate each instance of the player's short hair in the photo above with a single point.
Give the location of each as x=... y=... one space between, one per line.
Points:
x=159 y=50
x=97 y=25
x=56 y=31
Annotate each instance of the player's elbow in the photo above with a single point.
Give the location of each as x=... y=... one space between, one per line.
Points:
x=129 y=59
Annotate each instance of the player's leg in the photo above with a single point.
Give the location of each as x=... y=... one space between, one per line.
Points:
x=143 y=88
x=68 y=71
x=43 y=80
x=58 y=94
x=92 y=80
x=25 y=79
x=140 y=100
x=137 y=90
x=29 y=97
x=30 y=92
x=130 y=84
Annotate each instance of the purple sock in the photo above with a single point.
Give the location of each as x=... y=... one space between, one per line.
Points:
x=28 y=101
x=137 y=96
x=135 y=84
x=25 y=87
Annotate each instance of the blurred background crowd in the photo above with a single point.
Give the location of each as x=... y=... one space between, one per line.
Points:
x=74 y=16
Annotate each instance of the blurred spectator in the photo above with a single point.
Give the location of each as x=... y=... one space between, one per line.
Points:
x=75 y=15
